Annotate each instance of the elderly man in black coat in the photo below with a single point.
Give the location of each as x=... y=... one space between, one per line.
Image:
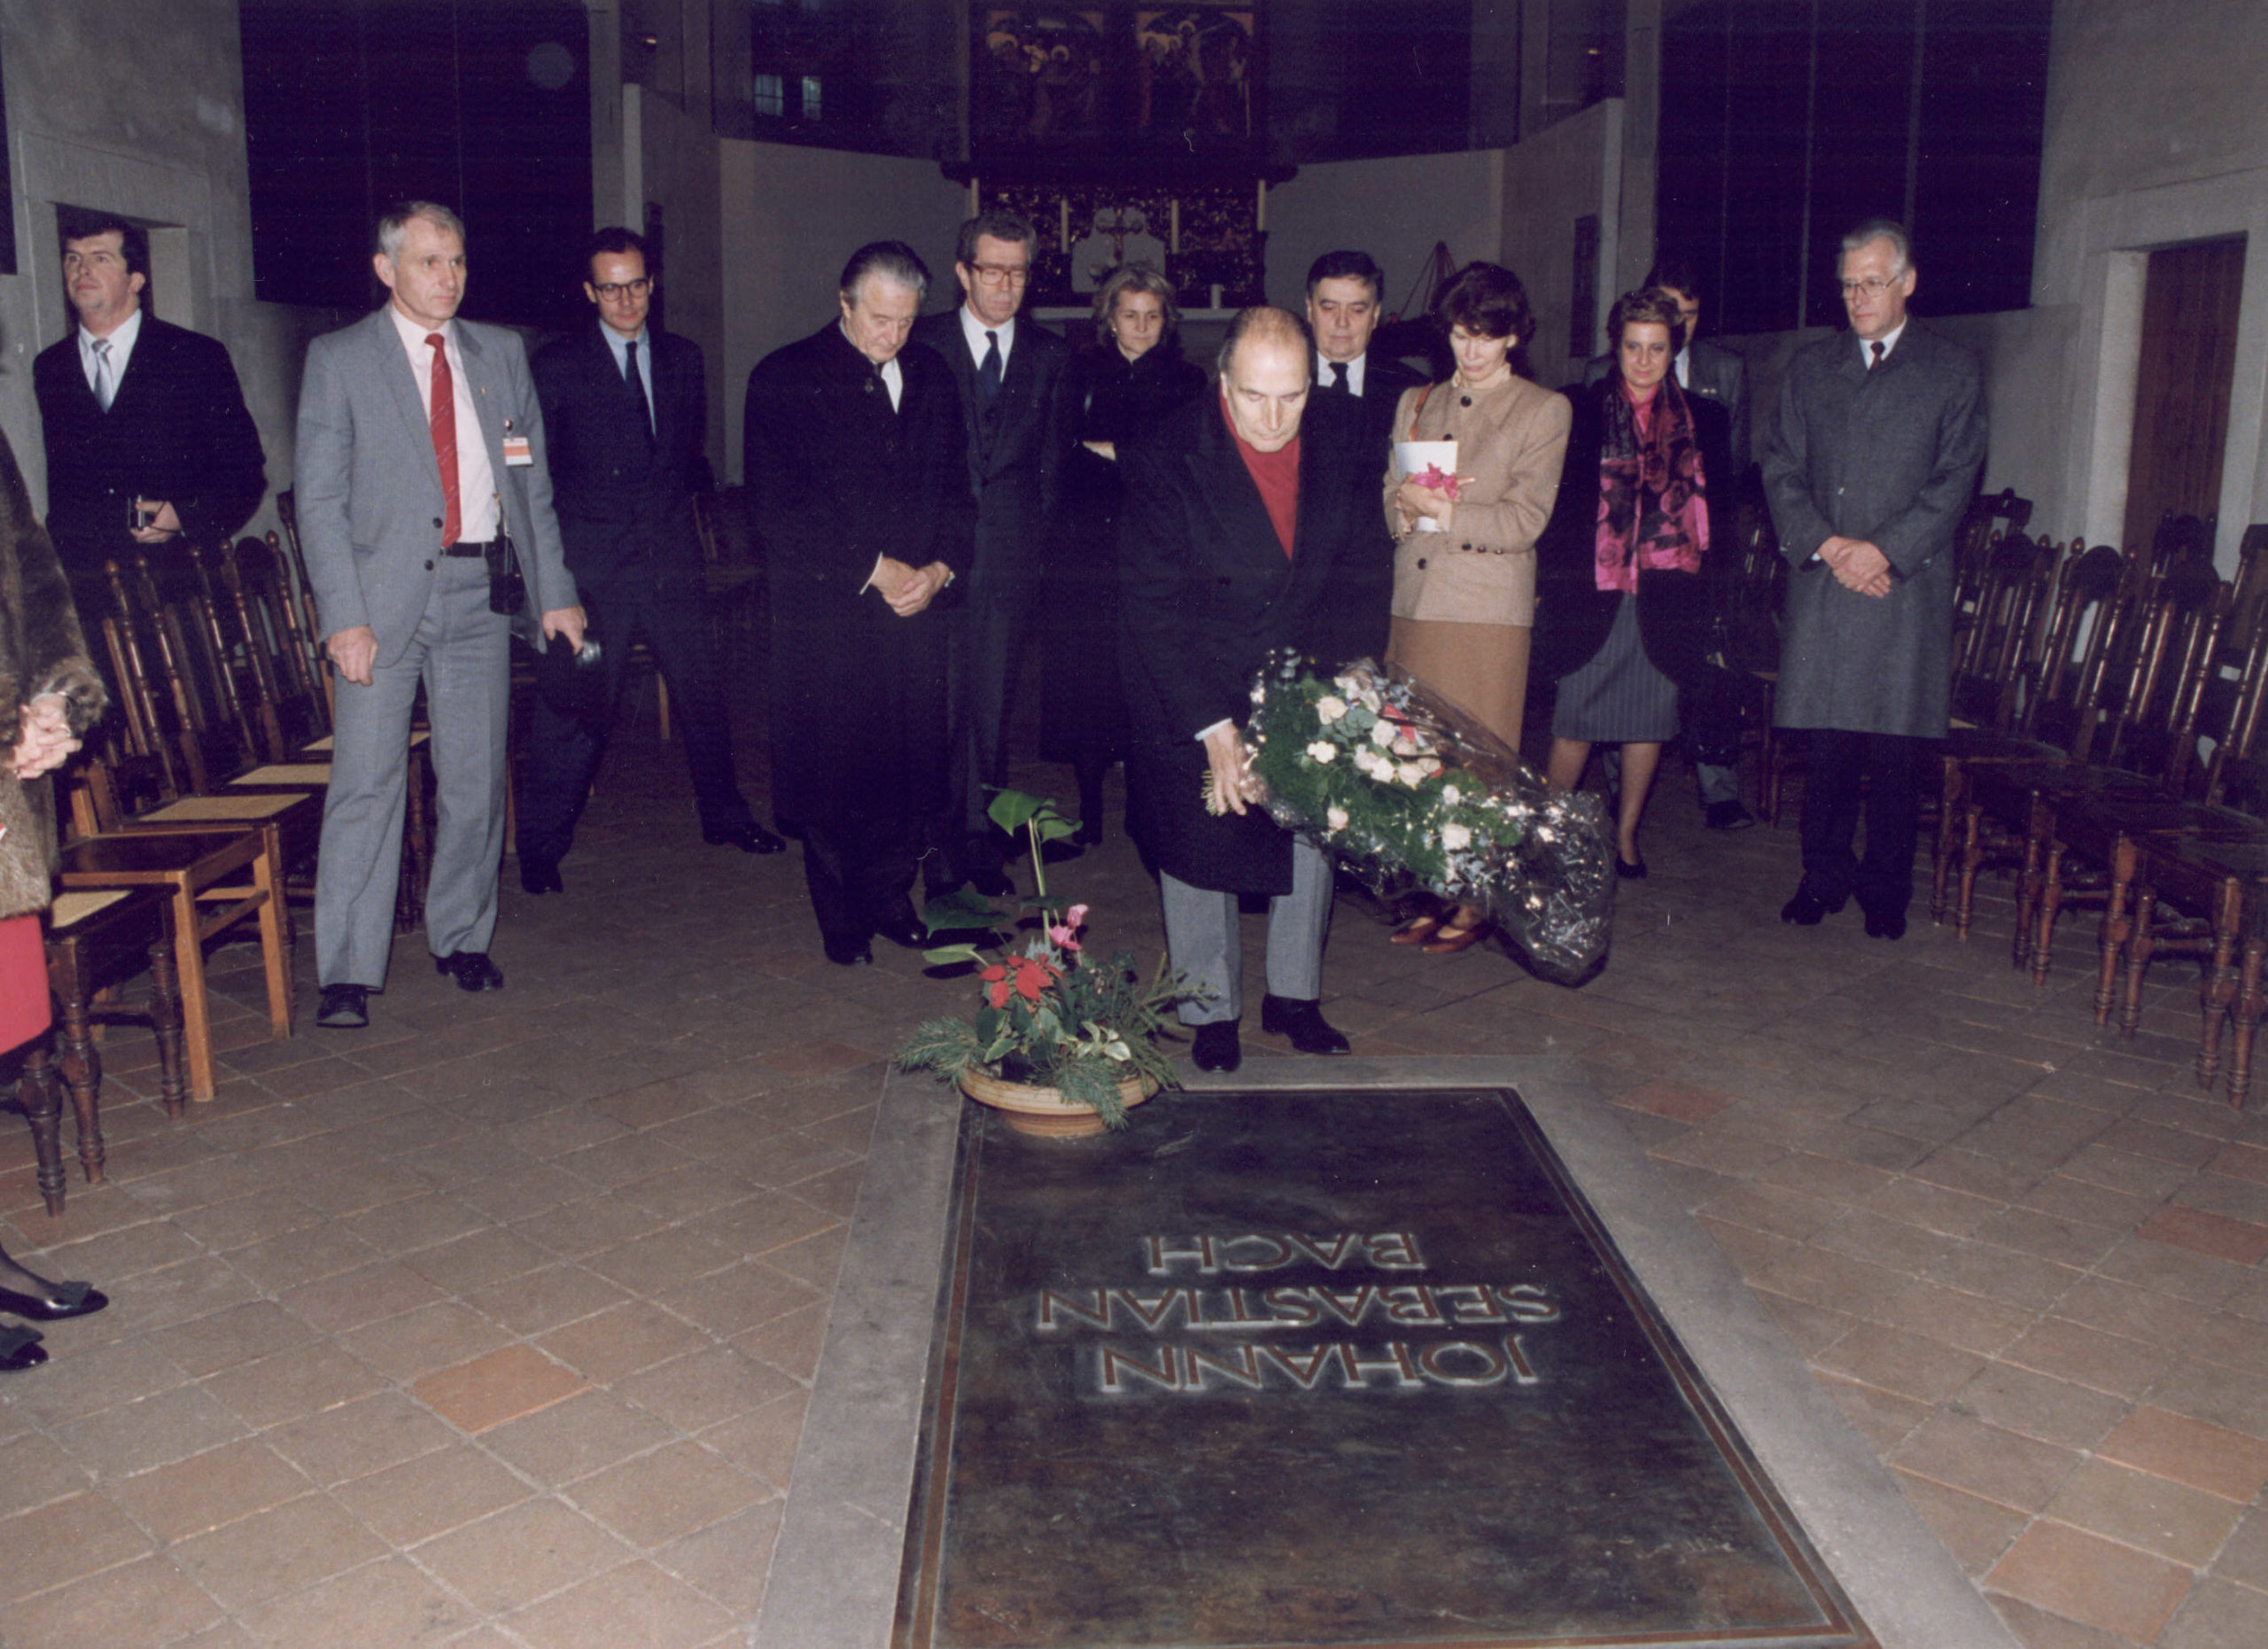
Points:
x=1870 y=461
x=857 y=470
x=1243 y=527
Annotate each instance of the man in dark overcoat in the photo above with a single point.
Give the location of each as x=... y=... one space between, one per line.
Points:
x=627 y=410
x=857 y=471
x=1243 y=527
x=148 y=439
x=1010 y=373
x=1869 y=460
x=1363 y=387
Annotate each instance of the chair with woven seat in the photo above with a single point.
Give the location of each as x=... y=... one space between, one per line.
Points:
x=94 y=942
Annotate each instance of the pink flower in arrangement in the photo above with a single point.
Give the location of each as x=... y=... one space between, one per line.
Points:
x=1067 y=935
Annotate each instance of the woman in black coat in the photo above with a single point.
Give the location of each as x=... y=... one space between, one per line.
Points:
x=1124 y=385
x=1624 y=573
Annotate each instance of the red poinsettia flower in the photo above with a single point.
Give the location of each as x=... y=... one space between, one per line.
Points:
x=996 y=983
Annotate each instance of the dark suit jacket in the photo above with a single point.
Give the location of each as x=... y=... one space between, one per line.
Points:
x=1712 y=374
x=178 y=430
x=1015 y=455
x=1205 y=591
x=835 y=478
x=1361 y=610
x=621 y=492
x=1572 y=615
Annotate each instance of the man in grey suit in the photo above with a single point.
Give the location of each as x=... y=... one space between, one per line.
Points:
x=1869 y=460
x=421 y=490
x=1712 y=732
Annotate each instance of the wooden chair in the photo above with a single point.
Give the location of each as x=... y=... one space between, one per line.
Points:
x=2252 y=998
x=213 y=879
x=2058 y=693
x=1990 y=517
x=1752 y=644
x=95 y=941
x=2106 y=828
x=2147 y=743
x=2179 y=539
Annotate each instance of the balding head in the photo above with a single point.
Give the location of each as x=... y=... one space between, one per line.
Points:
x=1264 y=377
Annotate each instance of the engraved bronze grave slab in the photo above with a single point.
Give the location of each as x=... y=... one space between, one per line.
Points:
x=1324 y=1369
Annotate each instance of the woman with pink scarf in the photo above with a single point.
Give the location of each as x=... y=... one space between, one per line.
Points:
x=1622 y=604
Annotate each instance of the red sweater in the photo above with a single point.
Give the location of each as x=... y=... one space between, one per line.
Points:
x=1276 y=475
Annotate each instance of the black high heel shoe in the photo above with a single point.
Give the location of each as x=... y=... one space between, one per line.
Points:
x=20 y=1348
x=72 y=1299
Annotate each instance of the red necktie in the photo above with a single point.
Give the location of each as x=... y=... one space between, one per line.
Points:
x=442 y=415
x=1877 y=347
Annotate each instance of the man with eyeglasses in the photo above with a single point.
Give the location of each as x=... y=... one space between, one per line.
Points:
x=627 y=411
x=1869 y=460
x=1010 y=373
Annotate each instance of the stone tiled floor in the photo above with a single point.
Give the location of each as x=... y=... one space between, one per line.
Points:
x=493 y=1325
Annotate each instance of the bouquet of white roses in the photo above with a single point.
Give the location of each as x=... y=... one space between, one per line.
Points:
x=1405 y=789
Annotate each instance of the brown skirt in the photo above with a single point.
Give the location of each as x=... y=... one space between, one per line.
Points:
x=1480 y=668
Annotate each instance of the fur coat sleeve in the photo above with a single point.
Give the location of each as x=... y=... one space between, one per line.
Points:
x=42 y=651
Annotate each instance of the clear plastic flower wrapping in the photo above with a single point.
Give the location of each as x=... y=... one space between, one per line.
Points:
x=1440 y=803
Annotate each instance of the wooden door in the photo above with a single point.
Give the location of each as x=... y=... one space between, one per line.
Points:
x=2181 y=395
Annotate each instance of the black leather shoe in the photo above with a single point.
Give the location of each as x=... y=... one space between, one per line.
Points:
x=1303 y=1023
x=749 y=838
x=72 y=1299
x=1729 y=815
x=471 y=969
x=1886 y=924
x=540 y=875
x=20 y=1348
x=1629 y=869
x=849 y=952
x=1216 y=1047
x=1806 y=909
x=902 y=927
x=344 y=1007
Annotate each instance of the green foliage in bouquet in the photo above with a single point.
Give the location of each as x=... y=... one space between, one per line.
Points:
x=1370 y=781
x=1048 y=1015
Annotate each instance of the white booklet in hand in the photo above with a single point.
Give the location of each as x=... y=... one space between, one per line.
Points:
x=1416 y=457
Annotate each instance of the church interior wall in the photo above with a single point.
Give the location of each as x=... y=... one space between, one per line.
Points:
x=1395 y=209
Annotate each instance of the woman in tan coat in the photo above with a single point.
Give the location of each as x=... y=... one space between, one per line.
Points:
x=1464 y=554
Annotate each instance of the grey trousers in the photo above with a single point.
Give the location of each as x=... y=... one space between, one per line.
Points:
x=1202 y=940
x=462 y=652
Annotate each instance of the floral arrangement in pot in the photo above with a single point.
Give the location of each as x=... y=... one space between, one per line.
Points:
x=1060 y=1042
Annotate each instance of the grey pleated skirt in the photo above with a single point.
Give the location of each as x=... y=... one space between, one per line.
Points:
x=1619 y=696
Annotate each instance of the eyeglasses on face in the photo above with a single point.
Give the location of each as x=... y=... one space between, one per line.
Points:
x=1002 y=274
x=612 y=290
x=1868 y=288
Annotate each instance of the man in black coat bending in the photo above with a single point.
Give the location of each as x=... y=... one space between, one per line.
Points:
x=858 y=481
x=628 y=414
x=149 y=443
x=1010 y=375
x=1242 y=531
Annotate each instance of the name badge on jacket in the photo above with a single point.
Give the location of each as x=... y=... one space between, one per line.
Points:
x=517 y=453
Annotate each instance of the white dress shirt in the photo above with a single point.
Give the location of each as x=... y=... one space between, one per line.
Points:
x=974 y=330
x=620 y=346
x=1889 y=342
x=1352 y=370
x=122 y=350
x=476 y=509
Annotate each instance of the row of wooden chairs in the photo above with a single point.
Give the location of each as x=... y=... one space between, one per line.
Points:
x=2088 y=686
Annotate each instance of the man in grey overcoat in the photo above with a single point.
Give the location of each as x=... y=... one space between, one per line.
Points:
x=1869 y=460
x=422 y=483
